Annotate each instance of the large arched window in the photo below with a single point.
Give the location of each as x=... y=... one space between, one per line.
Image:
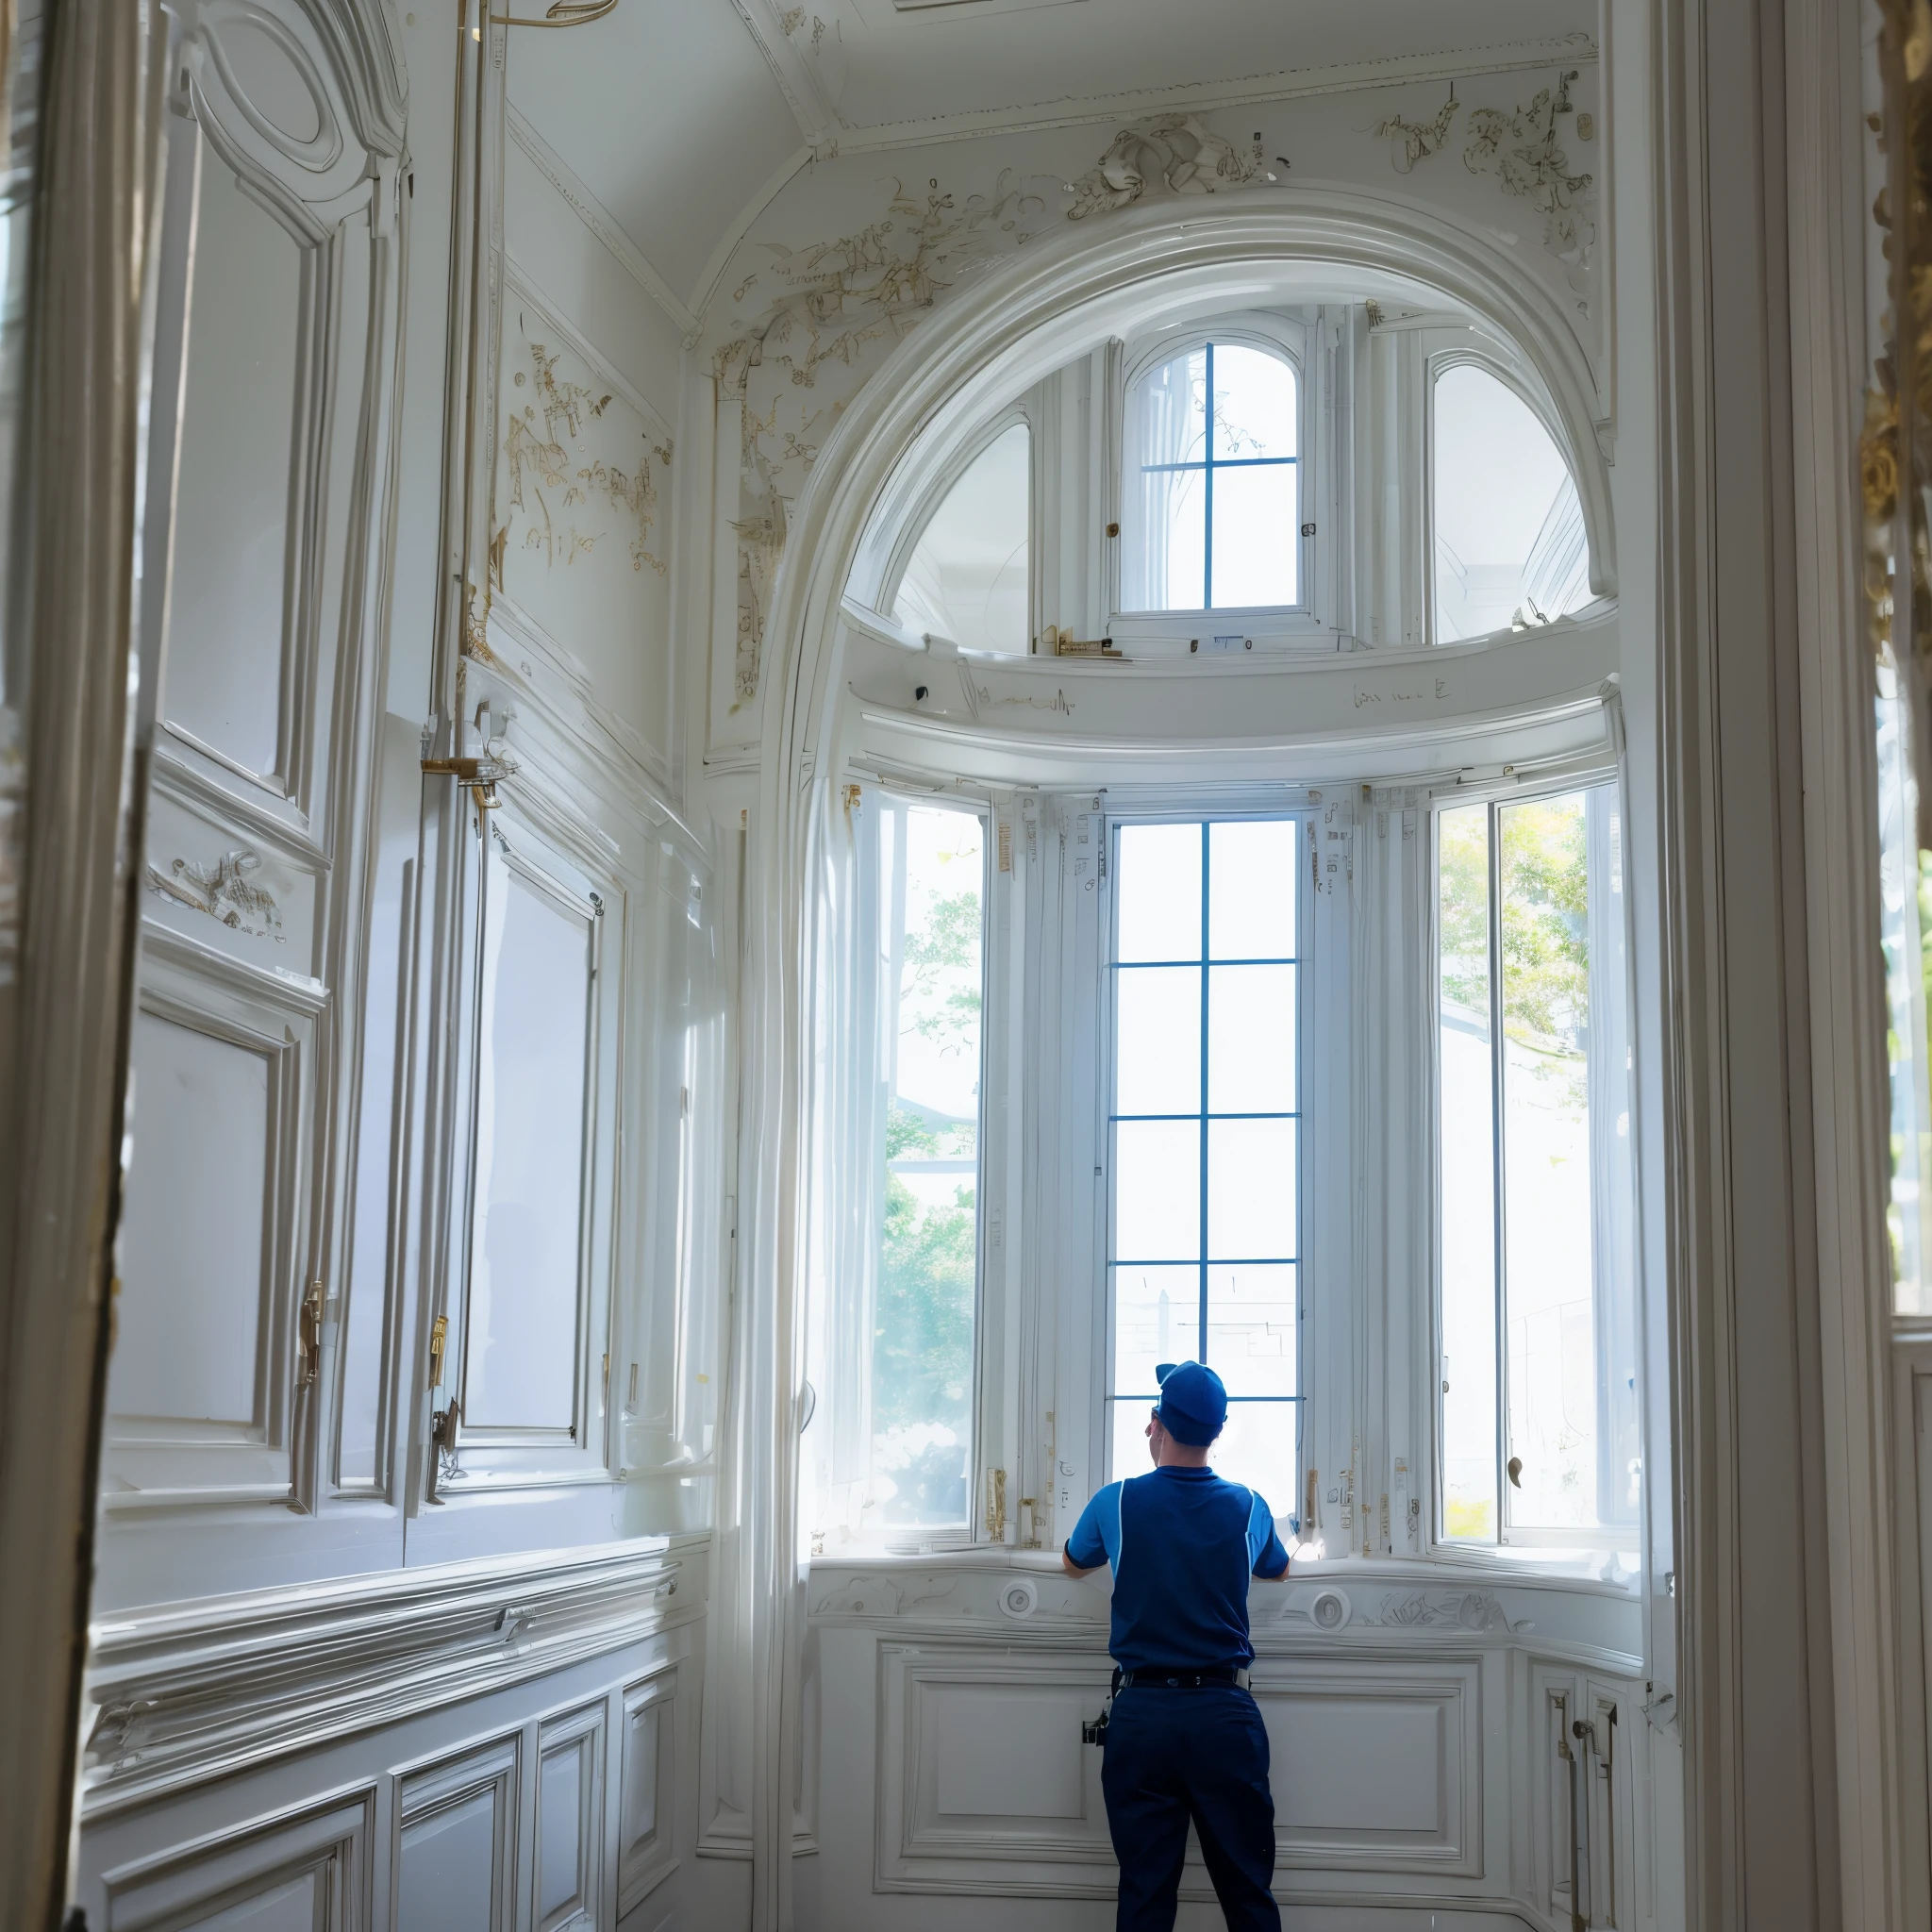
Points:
x=1509 y=548
x=967 y=577
x=1212 y=489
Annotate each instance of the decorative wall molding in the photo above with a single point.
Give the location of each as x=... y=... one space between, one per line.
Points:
x=215 y=1687
x=1402 y=1602
x=805 y=350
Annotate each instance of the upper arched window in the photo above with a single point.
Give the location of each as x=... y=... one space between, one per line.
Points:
x=1509 y=544
x=967 y=577
x=1211 y=482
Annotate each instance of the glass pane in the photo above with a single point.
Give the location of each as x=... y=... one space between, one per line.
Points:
x=1158 y=893
x=1251 y=899
x=931 y=885
x=1548 y=1251
x=1158 y=1059
x=1256 y=536
x=1157 y=1191
x=1127 y=1438
x=1509 y=546
x=1251 y=1329
x=1157 y=1318
x=1466 y=1144
x=1251 y=1025
x=1258 y=1448
x=1251 y=1190
x=520 y=1353
x=1254 y=404
x=1164 y=511
x=966 y=578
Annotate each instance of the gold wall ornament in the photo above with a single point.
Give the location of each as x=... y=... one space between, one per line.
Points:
x=1895 y=453
x=561 y=14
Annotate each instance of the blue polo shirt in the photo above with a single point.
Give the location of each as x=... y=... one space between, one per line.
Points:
x=1183 y=1544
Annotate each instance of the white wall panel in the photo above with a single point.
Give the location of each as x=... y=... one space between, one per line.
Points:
x=646 y=1841
x=248 y=428
x=570 y=1819
x=200 y=1386
x=456 y=1841
x=1376 y=1769
x=310 y=1871
x=981 y=1771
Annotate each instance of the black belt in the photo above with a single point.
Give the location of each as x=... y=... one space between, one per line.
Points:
x=1156 y=1679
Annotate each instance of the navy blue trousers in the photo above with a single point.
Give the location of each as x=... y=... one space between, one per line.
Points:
x=1173 y=1756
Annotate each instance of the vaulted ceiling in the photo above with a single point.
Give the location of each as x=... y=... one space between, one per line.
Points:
x=684 y=117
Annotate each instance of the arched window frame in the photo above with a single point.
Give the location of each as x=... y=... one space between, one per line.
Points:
x=1026 y=409
x=1289 y=338
x=1467 y=349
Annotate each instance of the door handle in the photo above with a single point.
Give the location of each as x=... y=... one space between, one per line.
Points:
x=1515 y=1468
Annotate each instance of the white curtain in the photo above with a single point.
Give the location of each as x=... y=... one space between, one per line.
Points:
x=1161 y=427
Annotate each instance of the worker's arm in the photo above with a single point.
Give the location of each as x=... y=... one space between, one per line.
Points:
x=1086 y=1549
x=1270 y=1561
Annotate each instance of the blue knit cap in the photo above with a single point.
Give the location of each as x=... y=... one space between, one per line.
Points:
x=1193 y=1402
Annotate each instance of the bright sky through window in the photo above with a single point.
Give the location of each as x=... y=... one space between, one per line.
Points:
x=966 y=579
x=1205 y=1116
x=931 y=892
x=1509 y=547
x=1211 y=496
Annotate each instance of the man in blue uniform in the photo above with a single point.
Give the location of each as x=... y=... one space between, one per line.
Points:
x=1184 y=1739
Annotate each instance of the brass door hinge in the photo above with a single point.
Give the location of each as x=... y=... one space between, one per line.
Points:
x=309 y=1335
x=439 y=1343
x=996 y=1504
x=480 y=774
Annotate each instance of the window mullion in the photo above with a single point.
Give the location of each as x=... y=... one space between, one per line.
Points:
x=1207 y=887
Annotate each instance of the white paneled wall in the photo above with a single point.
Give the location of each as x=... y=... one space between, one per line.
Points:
x=1422 y=1753
x=406 y=1551
x=535 y=1786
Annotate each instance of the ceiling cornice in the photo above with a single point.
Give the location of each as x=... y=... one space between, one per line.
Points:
x=797 y=77
x=597 y=218
x=1287 y=84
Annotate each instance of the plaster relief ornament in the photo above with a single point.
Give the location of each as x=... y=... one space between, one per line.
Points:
x=1415 y=140
x=554 y=464
x=1522 y=150
x=1178 y=152
x=224 y=891
x=832 y=311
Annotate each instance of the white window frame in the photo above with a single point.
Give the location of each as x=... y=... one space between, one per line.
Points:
x=1266 y=625
x=1531 y=1541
